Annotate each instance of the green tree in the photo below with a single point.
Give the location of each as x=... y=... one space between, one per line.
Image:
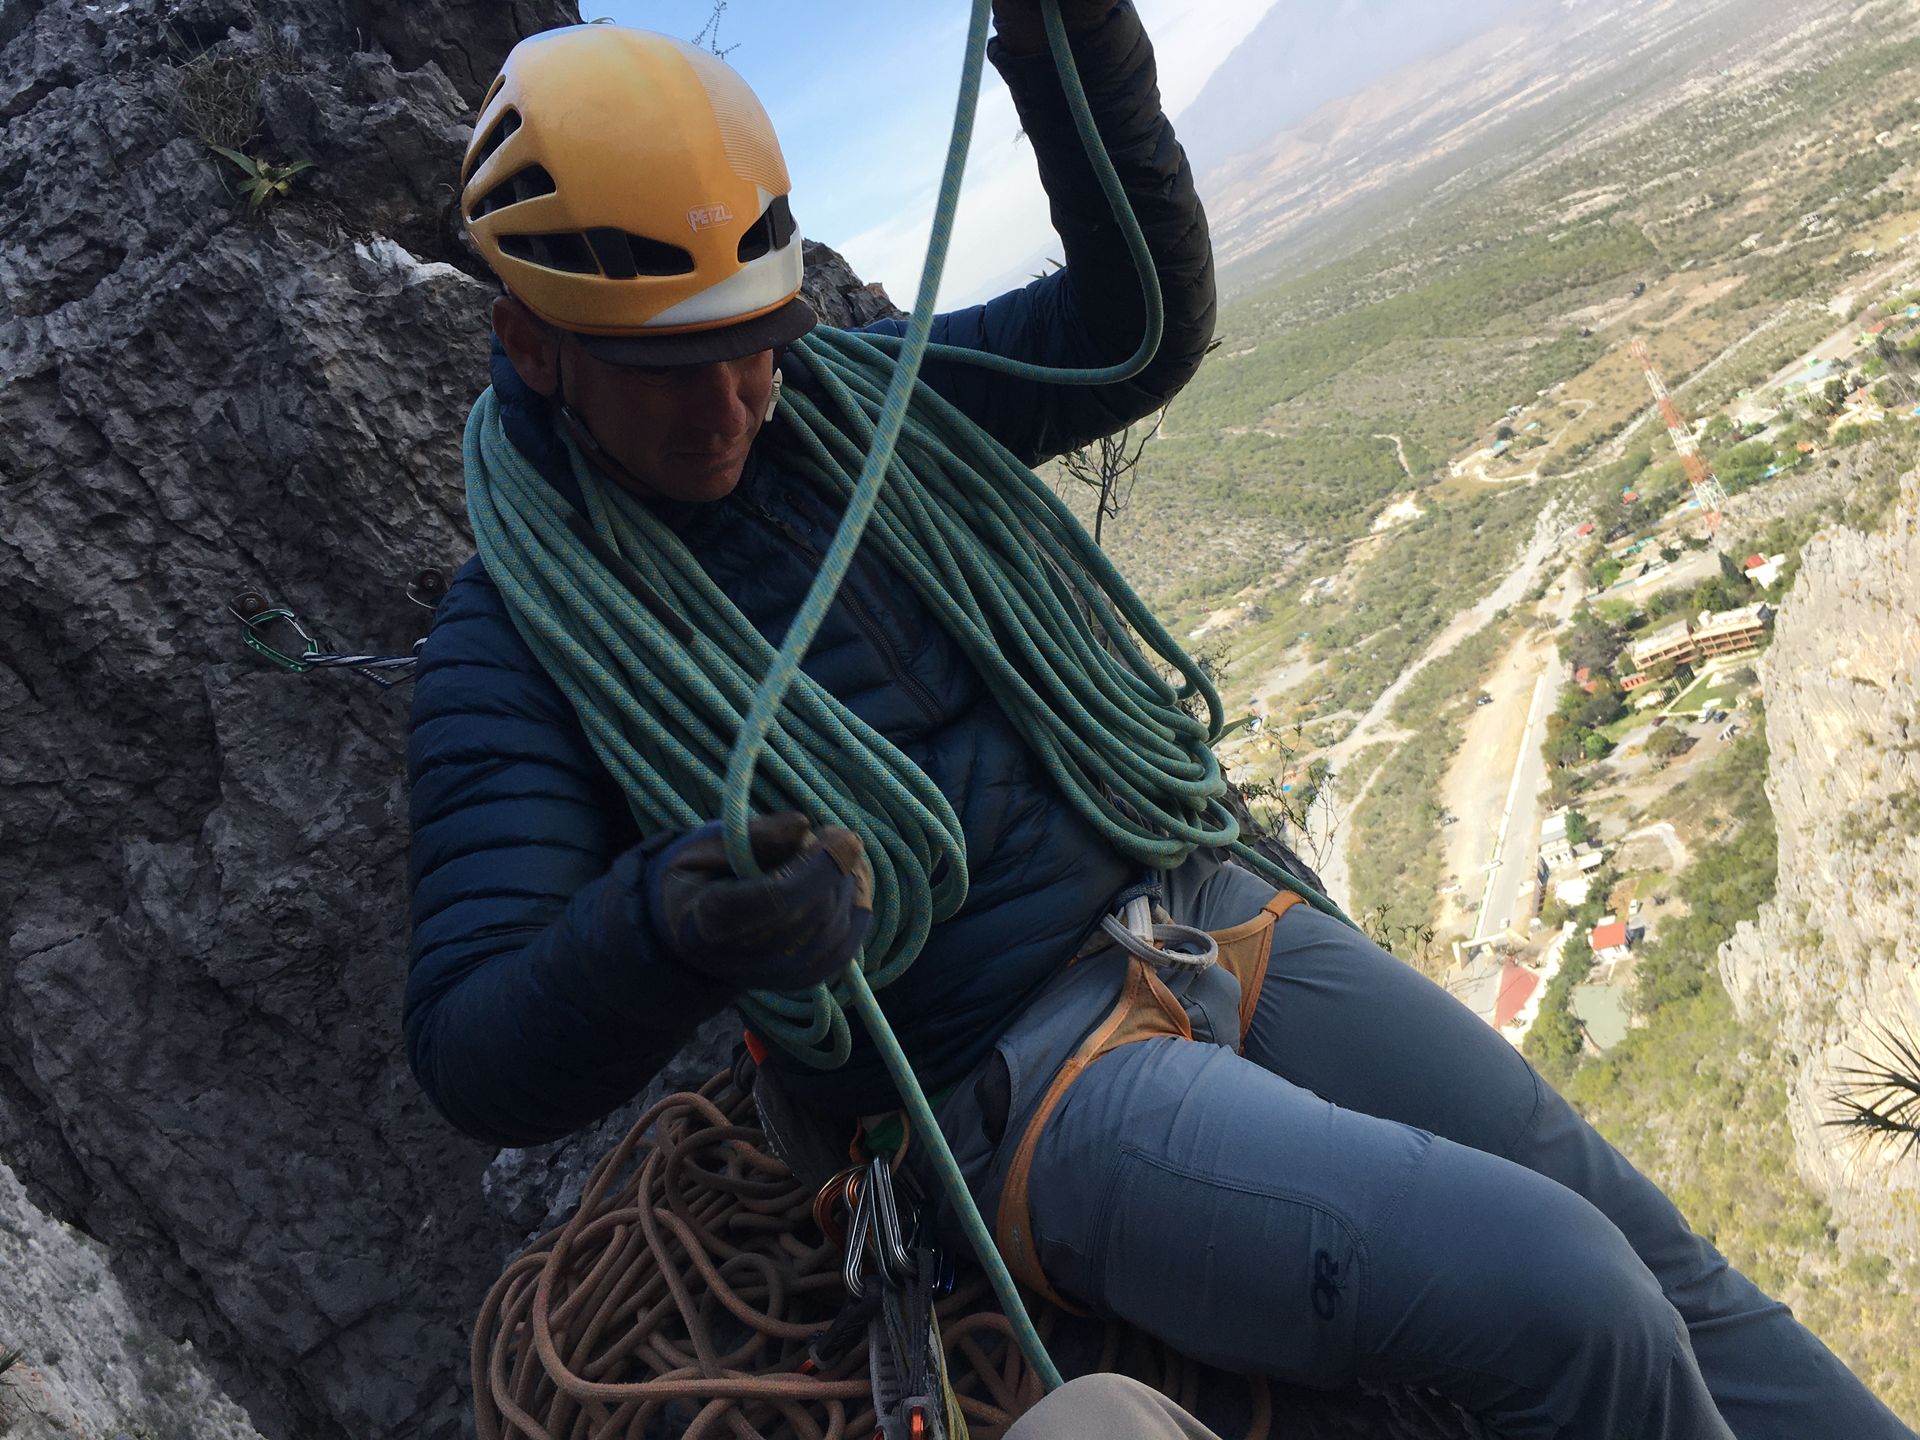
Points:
x=1603 y=707
x=1589 y=642
x=1666 y=743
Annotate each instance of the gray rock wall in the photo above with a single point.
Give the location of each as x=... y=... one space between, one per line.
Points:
x=1833 y=960
x=91 y=1368
x=202 y=880
x=202 y=885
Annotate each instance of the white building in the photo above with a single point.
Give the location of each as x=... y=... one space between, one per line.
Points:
x=1556 y=850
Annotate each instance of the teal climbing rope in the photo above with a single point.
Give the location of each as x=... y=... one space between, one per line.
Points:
x=694 y=713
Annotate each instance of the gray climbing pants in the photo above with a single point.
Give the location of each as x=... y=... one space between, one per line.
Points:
x=1382 y=1192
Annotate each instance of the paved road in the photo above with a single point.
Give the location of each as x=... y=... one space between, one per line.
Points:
x=1475 y=786
x=1510 y=881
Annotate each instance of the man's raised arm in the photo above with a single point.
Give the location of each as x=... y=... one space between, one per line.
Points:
x=1091 y=312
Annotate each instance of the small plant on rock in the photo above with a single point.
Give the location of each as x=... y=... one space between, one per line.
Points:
x=1879 y=1098
x=265 y=180
x=8 y=1359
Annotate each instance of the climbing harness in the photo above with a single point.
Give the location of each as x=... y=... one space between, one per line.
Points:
x=703 y=716
x=257 y=614
x=1145 y=1010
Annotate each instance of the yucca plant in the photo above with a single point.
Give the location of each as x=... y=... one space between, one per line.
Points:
x=1879 y=1098
x=265 y=180
x=8 y=1359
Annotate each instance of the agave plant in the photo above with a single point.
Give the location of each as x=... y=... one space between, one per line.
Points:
x=265 y=180
x=1879 y=1098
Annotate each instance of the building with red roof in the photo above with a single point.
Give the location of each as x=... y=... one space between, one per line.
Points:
x=1517 y=984
x=1609 y=941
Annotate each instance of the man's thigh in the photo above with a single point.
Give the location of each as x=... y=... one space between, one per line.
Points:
x=1259 y=1228
x=1368 y=1032
x=1190 y=1192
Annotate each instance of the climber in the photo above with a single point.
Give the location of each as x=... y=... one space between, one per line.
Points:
x=1356 y=1182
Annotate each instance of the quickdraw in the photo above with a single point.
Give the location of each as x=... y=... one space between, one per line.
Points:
x=258 y=615
x=893 y=1280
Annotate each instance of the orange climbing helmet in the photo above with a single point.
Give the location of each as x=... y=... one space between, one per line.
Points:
x=628 y=187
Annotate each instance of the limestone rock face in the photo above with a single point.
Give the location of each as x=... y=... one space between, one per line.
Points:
x=203 y=875
x=203 y=885
x=1833 y=959
x=90 y=1366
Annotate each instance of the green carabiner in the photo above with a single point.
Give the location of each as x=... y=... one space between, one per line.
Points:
x=251 y=609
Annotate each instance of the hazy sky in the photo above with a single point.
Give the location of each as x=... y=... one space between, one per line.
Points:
x=862 y=92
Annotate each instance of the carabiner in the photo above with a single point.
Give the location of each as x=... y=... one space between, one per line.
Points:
x=252 y=610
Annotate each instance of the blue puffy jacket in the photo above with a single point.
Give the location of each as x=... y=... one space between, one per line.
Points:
x=539 y=998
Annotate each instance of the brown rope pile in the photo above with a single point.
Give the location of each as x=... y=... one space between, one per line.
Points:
x=681 y=1297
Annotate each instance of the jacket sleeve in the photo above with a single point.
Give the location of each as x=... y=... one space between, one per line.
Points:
x=538 y=998
x=1090 y=312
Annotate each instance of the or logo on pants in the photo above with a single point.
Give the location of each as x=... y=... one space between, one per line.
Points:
x=1328 y=1281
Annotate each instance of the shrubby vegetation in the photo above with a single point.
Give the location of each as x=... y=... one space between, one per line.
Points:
x=1698 y=1101
x=1554 y=1040
x=1433 y=568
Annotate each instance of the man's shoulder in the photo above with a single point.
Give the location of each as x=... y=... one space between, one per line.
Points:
x=471 y=622
x=475 y=661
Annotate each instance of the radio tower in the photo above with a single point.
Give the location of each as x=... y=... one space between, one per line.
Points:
x=1706 y=485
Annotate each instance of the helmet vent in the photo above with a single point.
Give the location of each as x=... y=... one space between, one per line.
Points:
x=624 y=255
x=567 y=251
x=524 y=184
x=770 y=232
x=508 y=122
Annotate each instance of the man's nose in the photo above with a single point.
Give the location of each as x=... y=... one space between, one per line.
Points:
x=710 y=394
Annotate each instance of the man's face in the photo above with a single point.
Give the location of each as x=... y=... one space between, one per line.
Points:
x=682 y=432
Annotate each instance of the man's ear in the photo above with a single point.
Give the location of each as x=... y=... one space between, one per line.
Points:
x=530 y=344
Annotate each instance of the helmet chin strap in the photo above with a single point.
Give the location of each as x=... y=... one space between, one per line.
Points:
x=584 y=437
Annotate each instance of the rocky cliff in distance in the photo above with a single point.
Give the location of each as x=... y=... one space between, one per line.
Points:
x=1833 y=961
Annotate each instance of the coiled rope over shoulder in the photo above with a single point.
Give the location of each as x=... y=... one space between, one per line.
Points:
x=696 y=714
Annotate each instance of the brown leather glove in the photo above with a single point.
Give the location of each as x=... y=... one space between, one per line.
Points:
x=1023 y=32
x=795 y=926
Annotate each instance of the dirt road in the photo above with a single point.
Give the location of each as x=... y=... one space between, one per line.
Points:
x=1474 y=788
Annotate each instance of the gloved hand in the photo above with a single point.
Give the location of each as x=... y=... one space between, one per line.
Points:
x=1023 y=32
x=794 y=927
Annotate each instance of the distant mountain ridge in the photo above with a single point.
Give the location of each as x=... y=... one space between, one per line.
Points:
x=1317 y=109
x=1301 y=55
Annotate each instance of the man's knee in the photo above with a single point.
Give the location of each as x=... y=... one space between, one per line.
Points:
x=1530 y=1297
x=1107 y=1407
x=1592 y=1296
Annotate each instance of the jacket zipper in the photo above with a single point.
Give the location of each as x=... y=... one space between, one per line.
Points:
x=869 y=625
